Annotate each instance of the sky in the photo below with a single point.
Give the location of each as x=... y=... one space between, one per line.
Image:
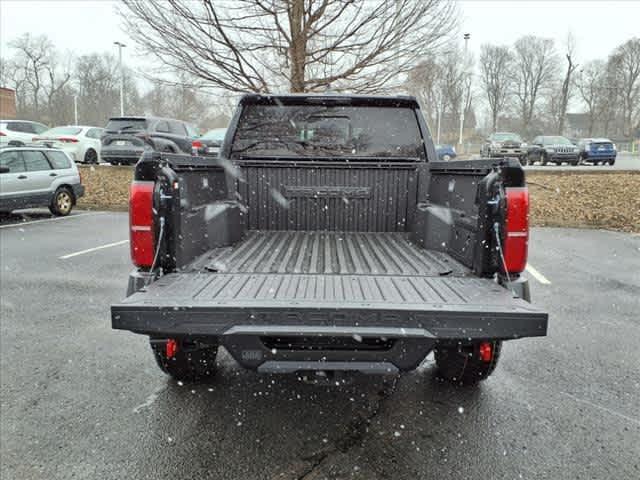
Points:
x=85 y=26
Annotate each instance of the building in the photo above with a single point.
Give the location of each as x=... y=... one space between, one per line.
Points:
x=7 y=103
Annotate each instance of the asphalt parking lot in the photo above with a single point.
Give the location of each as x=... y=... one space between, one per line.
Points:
x=79 y=400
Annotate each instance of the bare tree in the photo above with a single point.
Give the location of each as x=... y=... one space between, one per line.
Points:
x=590 y=82
x=300 y=45
x=31 y=61
x=441 y=84
x=424 y=81
x=57 y=89
x=565 y=93
x=536 y=66
x=496 y=72
x=624 y=63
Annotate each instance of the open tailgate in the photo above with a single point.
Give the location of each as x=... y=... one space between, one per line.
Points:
x=216 y=304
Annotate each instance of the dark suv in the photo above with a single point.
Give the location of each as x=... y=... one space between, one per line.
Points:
x=127 y=138
x=553 y=149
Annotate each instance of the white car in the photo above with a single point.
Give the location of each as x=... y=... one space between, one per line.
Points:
x=18 y=133
x=81 y=143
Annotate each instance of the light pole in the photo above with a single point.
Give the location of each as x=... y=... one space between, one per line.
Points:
x=75 y=109
x=120 y=47
x=466 y=37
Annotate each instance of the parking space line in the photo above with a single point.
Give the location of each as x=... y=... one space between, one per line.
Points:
x=56 y=219
x=537 y=275
x=89 y=250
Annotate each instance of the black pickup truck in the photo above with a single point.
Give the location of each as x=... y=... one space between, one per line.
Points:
x=326 y=237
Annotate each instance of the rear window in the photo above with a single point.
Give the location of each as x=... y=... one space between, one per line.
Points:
x=63 y=131
x=59 y=160
x=327 y=131
x=126 y=124
x=216 y=134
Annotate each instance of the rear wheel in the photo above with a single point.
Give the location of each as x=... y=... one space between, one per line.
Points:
x=612 y=162
x=62 y=202
x=467 y=364
x=185 y=360
x=91 y=156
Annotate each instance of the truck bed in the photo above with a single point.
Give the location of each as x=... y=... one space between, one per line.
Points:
x=328 y=253
x=277 y=280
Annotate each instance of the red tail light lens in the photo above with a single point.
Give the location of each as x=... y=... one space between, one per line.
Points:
x=516 y=244
x=141 y=223
x=2 y=134
x=68 y=140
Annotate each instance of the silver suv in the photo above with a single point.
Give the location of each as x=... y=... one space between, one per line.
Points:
x=36 y=177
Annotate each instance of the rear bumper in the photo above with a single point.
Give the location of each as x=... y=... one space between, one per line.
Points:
x=597 y=157
x=121 y=154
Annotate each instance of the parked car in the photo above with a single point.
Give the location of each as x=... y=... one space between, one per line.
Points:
x=553 y=149
x=446 y=152
x=19 y=132
x=504 y=144
x=597 y=150
x=81 y=143
x=210 y=142
x=127 y=138
x=334 y=244
x=38 y=177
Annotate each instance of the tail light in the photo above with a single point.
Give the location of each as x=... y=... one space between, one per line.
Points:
x=516 y=243
x=141 y=223
x=68 y=140
x=2 y=134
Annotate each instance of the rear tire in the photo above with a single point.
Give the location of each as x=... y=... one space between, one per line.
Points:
x=192 y=362
x=62 y=202
x=612 y=162
x=91 y=157
x=462 y=365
